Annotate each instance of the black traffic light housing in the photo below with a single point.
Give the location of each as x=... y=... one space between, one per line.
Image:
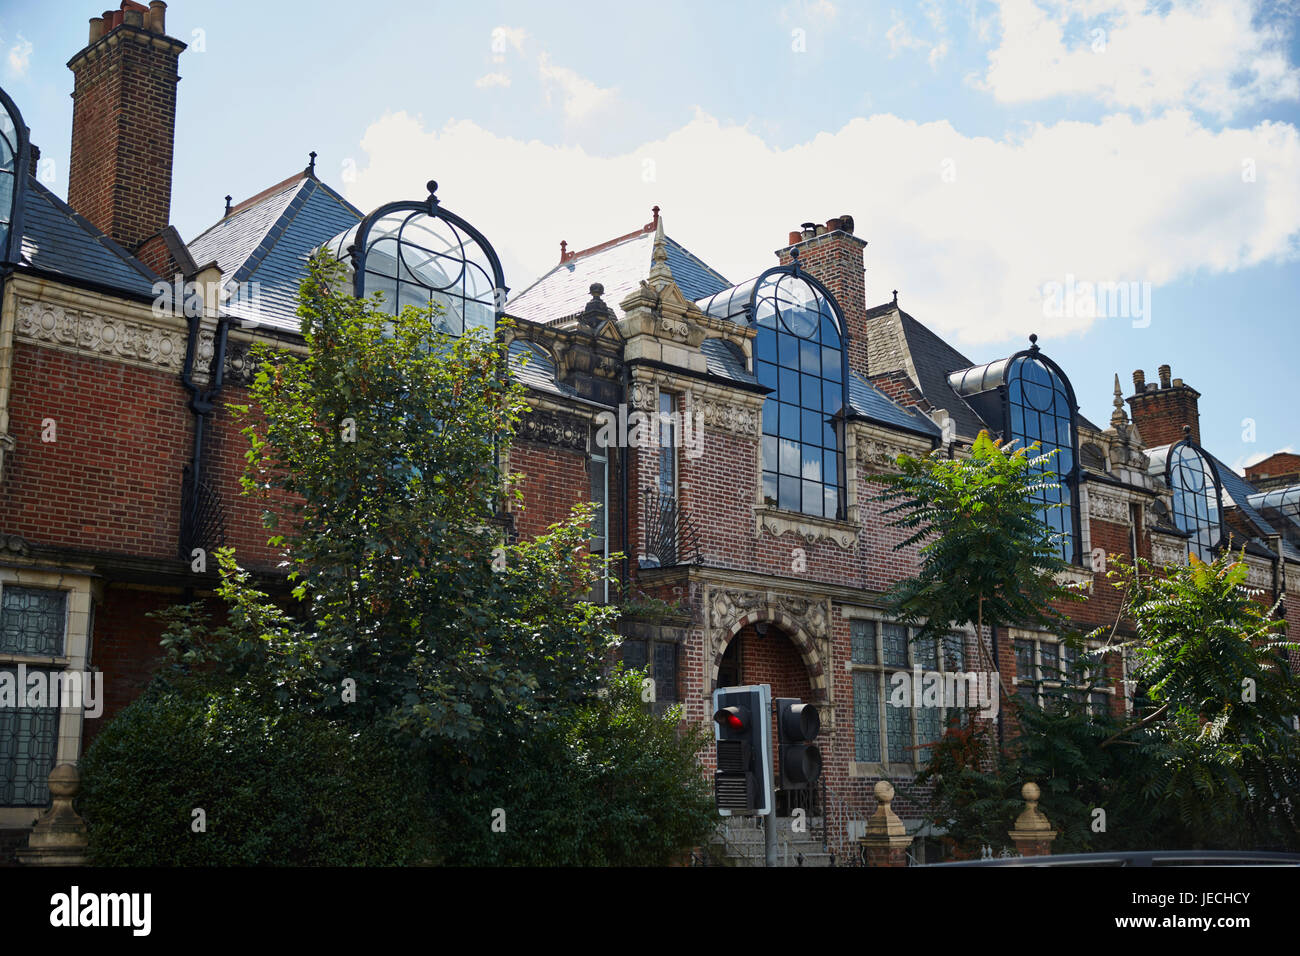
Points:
x=742 y=721
x=797 y=726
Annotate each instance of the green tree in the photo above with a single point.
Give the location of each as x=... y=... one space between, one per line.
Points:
x=382 y=443
x=987 y=558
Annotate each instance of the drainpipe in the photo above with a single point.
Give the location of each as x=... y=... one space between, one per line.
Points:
x=203 y=400
x=624 y=454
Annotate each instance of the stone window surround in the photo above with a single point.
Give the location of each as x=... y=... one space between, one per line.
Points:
x=79 y=589
x=1038 y=638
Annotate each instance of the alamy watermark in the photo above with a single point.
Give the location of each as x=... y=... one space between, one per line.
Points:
x=958 y=689
x=1076 y=298
x=650 y=430
x=42 y=689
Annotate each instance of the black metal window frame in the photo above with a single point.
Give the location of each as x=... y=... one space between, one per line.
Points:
x=1068 y=478
x=363 y=247
x=1205 y=537
x=873 y=669
x=805 y=376
x=15 y=160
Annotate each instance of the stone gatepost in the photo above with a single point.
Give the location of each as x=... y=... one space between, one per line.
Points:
x=1032 y=835
x=886 y=841
x=59 y=836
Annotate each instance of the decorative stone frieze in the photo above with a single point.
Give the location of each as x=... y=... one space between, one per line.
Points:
x=554 y=428
x=137 y=343
x=807 y=527
x=1166 y=553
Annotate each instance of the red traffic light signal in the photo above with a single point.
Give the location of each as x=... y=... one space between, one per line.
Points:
x=734 y=718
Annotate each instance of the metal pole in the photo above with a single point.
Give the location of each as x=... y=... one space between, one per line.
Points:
x=769 y=839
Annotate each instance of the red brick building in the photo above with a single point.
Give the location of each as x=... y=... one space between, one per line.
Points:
x=778 y=401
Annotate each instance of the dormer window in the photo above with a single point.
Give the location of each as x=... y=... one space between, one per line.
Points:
x=799 y=354
x=418 y=253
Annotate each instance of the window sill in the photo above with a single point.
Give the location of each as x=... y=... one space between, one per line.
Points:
x=809 y=527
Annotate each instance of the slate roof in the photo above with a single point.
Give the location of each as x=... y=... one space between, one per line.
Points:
x=724 y=359
x=619 y=265
x=61 y=242
x=870 y=402
x=264 y=244
x=531 y=365
x=932 y=359
x=1239 y=490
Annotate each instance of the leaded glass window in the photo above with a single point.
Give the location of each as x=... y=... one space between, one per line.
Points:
x=29 y=738
x=866 y=716
x=883 y=732
x=799 y=353
x=1040 y=405
x=32 y=621
x=1196 y=498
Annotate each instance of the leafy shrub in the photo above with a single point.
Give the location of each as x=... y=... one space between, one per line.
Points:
x=617 y=786
x=279 y=788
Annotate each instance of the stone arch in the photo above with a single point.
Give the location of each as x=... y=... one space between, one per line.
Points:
x=805 y=644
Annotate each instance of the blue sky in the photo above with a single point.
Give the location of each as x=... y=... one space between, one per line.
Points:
x=986 y=151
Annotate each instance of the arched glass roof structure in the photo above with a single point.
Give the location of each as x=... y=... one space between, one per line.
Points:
x=799 y=353
x=1197 y=494
x=14 y=159
x=417 y=253
x=1035 y=402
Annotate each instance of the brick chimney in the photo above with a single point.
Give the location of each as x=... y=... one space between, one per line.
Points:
x=832 y=255
x=1160 y=411
x=124 y=128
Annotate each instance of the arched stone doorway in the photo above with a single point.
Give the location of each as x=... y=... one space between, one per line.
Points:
x=766 y=646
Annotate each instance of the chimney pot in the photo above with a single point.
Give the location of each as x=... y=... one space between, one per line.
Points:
x=809 y=230
x=832 y=225
x=795 y=238
x=846 y=223
x=96 y=28
x=1139 y=380
x=1178 y=383
x=1164 y=376
x=158 y=16
x=133 y=18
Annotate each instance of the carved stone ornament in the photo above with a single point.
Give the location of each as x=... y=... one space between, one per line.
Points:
x=877 y=455
x=113 y=338
x=554 y=428
x=726 y=416
x=1165 y=554
x=644 y=396
x=725 y=606
x=1107 y=508
x=812 y=530
x=674 y=327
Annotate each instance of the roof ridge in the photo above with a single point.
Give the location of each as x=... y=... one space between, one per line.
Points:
x=267 y=193
x=608 y=243
x=273 y=233
x=97 y=234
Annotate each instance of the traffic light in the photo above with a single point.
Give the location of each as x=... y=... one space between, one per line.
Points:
x=797 y=726
x=742 y=720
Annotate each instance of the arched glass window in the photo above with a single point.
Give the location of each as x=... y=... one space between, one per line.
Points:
x=13 y=170
x=1040 y=407
x=1036 y=403
x=798 y=352
x=417 y=253
x=1198 y=500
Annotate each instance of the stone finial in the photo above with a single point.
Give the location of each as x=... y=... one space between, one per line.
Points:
x=311 y=163
x=228 y=198
x=1032 y=834
x=886 y=840
x=659 y=270
x=895 y=297
x=1118 y=417
x=59 y=836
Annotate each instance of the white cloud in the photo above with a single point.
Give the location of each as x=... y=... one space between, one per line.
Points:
x=492 y=79
x=20 y=56
x=1210 y=55
x=937 y=53
x=580 y=96
x=1124 y=199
